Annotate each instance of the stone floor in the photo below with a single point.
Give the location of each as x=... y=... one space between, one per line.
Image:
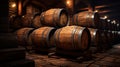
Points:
x=110 y=58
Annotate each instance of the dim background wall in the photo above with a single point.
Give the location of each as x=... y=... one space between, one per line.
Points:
x=4 y=16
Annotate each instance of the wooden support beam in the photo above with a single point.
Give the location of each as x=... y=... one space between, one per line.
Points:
x=25 y=2
x=20 y=7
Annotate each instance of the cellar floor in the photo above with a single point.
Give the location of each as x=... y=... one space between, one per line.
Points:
x=109 y=58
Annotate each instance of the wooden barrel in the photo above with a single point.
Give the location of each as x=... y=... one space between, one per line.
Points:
x=104 y=40
x=72 y=38
x=118 y=36
x=15 y=22
x=109 y=39
x=104 y=36
x=113 y=33
x=31 y=20
x=109 y=26
x=112 y=27
x=54 y=17
x=87 y=19
x=104 y=24
x=43 y=37
x=22 y=35
x=110 y=36
x=36 y=21
x=95 y=37
x=118 y=26
x=27 y=20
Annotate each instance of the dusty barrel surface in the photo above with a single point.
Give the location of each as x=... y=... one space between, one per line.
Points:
x=109 y=26
x=15 y=22
x=54 y=17
x=22 y=35
x=87 y=19
x=95 y=37
x=104 y=37
x=36 y=21
x=72 y=38
x=43 y=37
x=31 y=20
x=116 y=26
x=27 y=20
x=110 y=36
x=113 y=26
x=103 y=24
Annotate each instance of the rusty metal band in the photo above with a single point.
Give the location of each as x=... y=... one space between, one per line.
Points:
x=44 y=42
x=72 y=37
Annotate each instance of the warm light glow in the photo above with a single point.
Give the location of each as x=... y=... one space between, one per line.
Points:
x=108 y=20
x=69 y=3
x=20 y=7
x=96 y=10
x=114 y=21
x=92 y=16
x=117 y=46
x=13 y=5
x=105 y=17
x=23 y=16
x=117 y=25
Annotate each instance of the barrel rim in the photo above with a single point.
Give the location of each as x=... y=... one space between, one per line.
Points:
x=96 y=34
x=89 y=37
x=47 y=39
x=96 y=15
x=56 y=39
x=35 y=15
x=27 y=32
x=72 y=37
x=62 y=10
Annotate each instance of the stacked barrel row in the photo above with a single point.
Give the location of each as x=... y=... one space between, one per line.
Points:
x=37 y=30
x=45 y=37
x=103 y=32
x=103 y=39
x=110 y=25
x=53 y=31
x=93 y=20
x=116 y=37
x=49 y=29
x=54 y=18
